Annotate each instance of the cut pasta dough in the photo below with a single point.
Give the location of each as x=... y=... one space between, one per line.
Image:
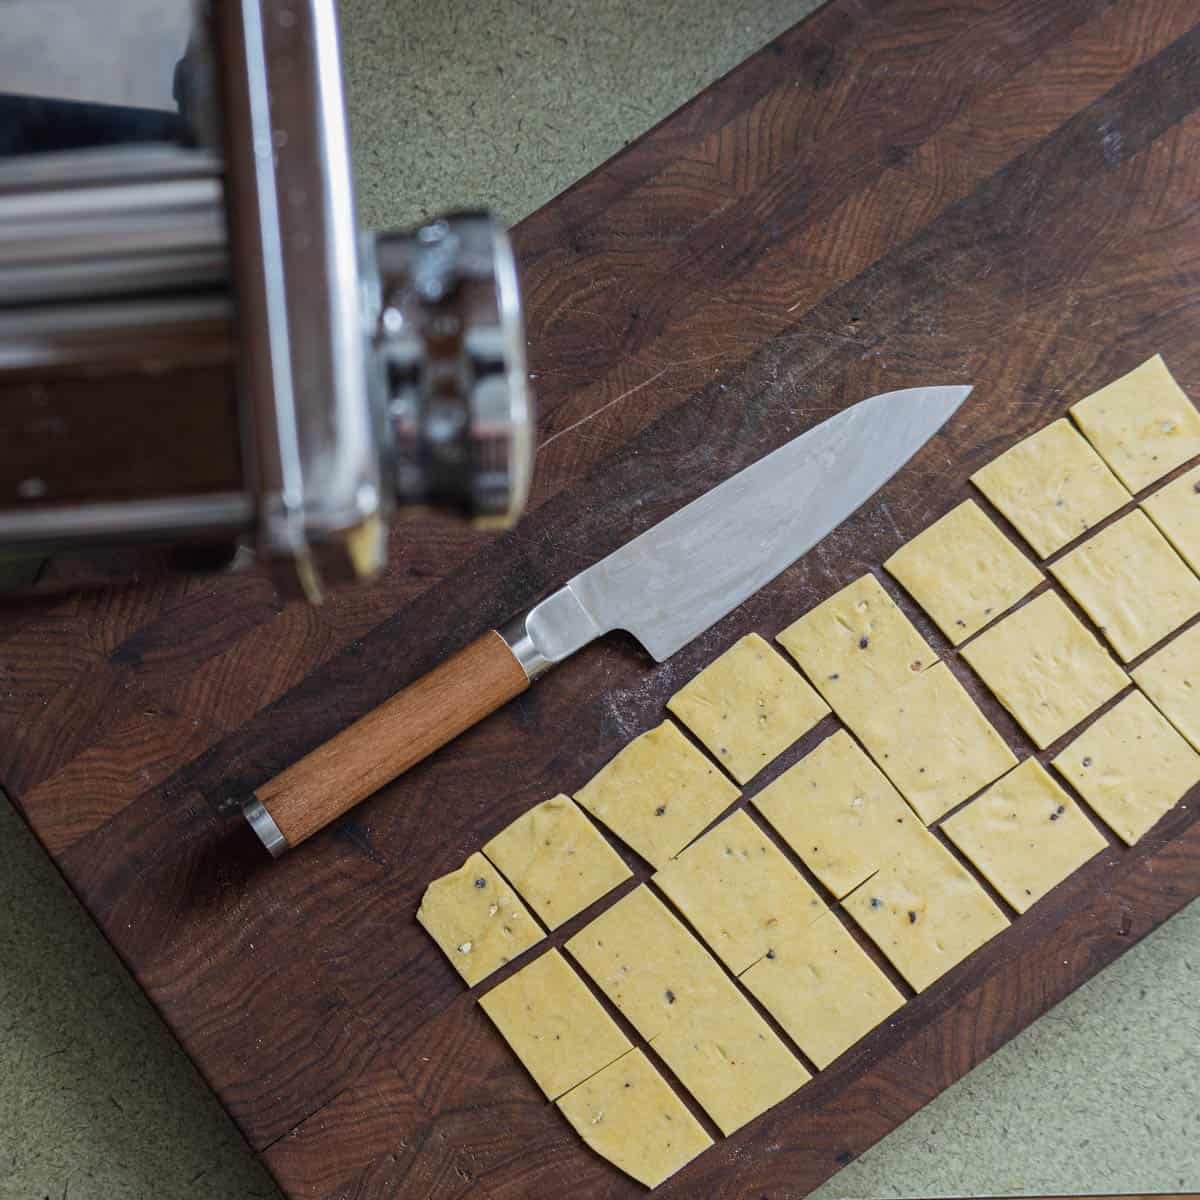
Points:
x=1131 y=583
x=1131 y=766
x=838 y=812
x=557 y=859
x=731 y=1060
x=680 y=1000
x=963 y=571
x=1045 y=668
x=1025 y=834
x=925 y=911
x=1053 y=487
x=1171 y=678
x=555 y=1026
x=856 y=643
x=645 y=961
x=932 y=742
x=739 y=891
x=1143 y=424
x=476 y=919
x=629 y=1115
x=747 y=707
x=658 y=793
x=823 y=989
x=1175 y=509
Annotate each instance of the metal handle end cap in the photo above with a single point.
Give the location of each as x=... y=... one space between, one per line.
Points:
x=264 y=826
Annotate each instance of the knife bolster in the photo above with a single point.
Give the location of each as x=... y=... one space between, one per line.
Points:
x=524 y=649
x=553 y=629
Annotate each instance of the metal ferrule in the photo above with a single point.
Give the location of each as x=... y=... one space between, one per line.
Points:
x=524 y=649
x=264 y=826
x=553 y=629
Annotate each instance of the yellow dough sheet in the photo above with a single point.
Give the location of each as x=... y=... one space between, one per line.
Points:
x=1175 y=509
x=557 y=860
x=1131 y=766
x=477 y=919
x=1171 y=678
x=680 y=1000
x=1053 y=487
x=748 y=706
x=739 y=891
x=629 y=1115
x=1025 y=834
x=731 y=1060
x=658 y=793
x=839 y=813
x=856 y=643
x=1143 y=424
x=647 y=963
x=933 y=742
x=963 y=571
x=925 y=911
x=1045 y=667
x=824 y=990
x=1131 y=583
x=554 y=1024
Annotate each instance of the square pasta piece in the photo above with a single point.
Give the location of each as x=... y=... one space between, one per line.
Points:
x=555 y=1026
x=731 y=1060
x=657 y=793
x=1046 y=668
x=838 y=812
x=1131 y=583
x=557 y=859
x=739 y=891
x=932 y=742
x=629 y=1115
x=1131 y=766
x=963 y=571
x=1025 y=834
x=823 y=989
x=855 y=643
x=647 y=963
x=747 y=707
x=1052 y=486
x=925 y=911
x=1171 y=678
x=476 y=919
x=1143 y=424
x=1175 y=509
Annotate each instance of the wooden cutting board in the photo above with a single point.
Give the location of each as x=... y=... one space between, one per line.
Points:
x=1000 y=192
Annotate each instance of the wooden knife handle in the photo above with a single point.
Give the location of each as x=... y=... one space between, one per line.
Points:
x=385 y=743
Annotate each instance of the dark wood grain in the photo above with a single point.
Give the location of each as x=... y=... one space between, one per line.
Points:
x=1001 y=192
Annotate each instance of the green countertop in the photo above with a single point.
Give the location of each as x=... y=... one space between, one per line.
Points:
x=449 y=109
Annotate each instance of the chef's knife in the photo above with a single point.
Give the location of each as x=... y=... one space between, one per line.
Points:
x=665 y=587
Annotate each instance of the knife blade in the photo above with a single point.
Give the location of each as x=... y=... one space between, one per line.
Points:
x=665 y=587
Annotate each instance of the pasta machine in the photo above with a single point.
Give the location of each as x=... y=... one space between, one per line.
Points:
x=203 y=358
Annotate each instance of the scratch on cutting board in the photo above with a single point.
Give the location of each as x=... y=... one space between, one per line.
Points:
x=886 y=512
x=671 y=366
x=604 y=408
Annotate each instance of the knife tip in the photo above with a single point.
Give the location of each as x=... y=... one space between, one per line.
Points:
x=945 y=398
